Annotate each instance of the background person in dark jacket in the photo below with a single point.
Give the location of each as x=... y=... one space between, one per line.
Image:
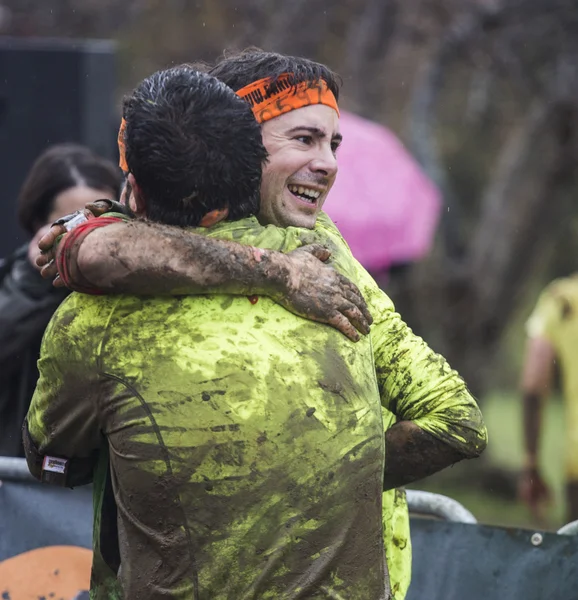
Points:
x=62 y=180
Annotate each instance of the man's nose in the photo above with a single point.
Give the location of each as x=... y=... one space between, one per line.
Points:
x=325 y=162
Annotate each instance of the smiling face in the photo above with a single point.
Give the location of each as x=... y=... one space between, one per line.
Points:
x=302 y=165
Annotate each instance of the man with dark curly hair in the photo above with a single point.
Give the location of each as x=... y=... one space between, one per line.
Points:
x=182 y=410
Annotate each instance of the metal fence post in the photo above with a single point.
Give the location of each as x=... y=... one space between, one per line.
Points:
x=436 y=505
x=569 y=529
x=14 y=469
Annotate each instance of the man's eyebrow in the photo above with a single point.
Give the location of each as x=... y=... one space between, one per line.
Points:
x=315 y=131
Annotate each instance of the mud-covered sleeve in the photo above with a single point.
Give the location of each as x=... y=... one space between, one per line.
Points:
x=63 y=421
x=417 y=384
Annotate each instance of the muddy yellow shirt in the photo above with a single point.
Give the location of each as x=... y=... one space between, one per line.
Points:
x=555 y=318
x=246 y=444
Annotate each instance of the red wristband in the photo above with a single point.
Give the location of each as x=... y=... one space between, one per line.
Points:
x=68 y=248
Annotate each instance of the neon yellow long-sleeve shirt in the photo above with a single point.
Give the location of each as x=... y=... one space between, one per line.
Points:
x=246 y=444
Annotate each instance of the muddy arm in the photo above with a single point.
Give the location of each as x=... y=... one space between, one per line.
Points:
x=439 y=422
x=412 y=454
x=151 y=259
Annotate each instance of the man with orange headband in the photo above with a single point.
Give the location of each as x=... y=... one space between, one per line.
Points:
x=236 y=449
x=431 y=420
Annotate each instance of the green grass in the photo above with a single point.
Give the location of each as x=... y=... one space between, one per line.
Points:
x=503 y=416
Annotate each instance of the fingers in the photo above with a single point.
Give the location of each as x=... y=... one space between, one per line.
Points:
x=359 y=302
x=323 y=293
x=365 y=311
x=355 y=317
x=47 y=241
x=341 y=323
x=49 y=271
x=317 y=250
x=99 y=207
x=45 y=261
x=58 y=283
x=352 y=293
x=44 y=258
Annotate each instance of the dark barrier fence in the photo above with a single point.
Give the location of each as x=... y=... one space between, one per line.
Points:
x=454 y=558
x=35 y=516
x=45 y=537
x=459 y=561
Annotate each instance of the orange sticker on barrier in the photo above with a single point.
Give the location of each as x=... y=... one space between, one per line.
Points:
x=50 y=572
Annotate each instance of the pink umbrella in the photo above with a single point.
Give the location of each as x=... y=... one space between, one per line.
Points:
x=383 y=203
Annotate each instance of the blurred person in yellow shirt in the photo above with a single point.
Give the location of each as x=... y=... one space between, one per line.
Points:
x=552 y=341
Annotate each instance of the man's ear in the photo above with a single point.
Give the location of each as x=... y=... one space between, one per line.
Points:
x=136 y=201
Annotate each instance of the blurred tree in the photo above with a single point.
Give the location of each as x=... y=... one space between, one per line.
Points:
x=523 y=51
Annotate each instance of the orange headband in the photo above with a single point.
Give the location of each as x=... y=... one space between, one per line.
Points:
x=121 y=146
x=269 y=100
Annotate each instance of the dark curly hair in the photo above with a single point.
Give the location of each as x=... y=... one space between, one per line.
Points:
x=242 y=68
x=193 y=146
x=56 y=170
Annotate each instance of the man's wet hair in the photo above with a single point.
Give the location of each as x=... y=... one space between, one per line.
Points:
x=193 y=146
x=58 y=169
x=240 y=69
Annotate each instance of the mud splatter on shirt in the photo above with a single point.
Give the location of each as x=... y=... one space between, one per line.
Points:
x=238 y=470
